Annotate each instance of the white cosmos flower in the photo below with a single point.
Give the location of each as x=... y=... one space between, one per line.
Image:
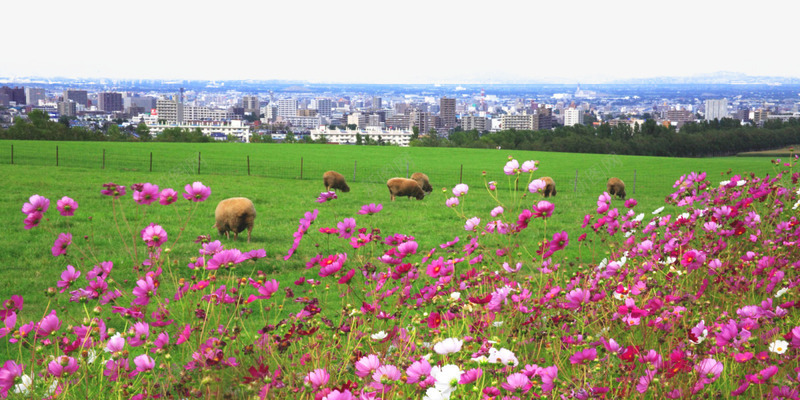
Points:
x=658 y=210
x=639 y=217
x=504 y=356
x=724 y=183
x=455 y=295
x=446 y=378
x=741 y=182
x=778 y=346
x=379 y=336
x=25 y=386
x=434 y=394
x=780 y=292
x=447 y=346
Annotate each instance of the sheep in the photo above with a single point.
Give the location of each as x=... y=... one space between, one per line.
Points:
x=616 y=187
x=334 y=180
x=423 y=182
x=404 y=187
x=235 y=214
x=549 y=186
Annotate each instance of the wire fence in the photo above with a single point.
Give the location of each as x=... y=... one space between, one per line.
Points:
x=142 y=158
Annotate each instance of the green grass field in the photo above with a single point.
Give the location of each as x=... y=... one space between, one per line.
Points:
x=281 y=198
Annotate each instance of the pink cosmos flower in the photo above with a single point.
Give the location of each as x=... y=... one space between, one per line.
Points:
x=517 y=382
x=371 y=208
x=630 y=203
x=367 y=364
x=419 y=372
x=331 y=264
x=460 y=189
x=543 y=209
x=148 y=194
x=66 y=206
x=326 y=196
x=337 y=395
x=113 y=190
x=511 y=167
x=549 y=376
x=8 y=376
x=115 y=344
x=470 y=376
x=32 y=220
x=184 y=336
x=346 y=228
x=36 y=204
x=576 y=297
x=167 y=196
x=492 y=185
x=583 y=356
x=154 y=235
x=138 y=334
x=68 y=276
x=143 y=363
x=644 y=380
x=62 y=366
x=384 y=376
x=472 y=223
x=560 y=241
x=144 y=290
x=709 y=370
x=60 y=245
x=347 y=277
x=196 y=192
x=406 y=248
x=536 y=185
x=318 y=377
x=9 y=322
x=529 y=166
x=226 y=259
x=497 y=211
x=451 y=202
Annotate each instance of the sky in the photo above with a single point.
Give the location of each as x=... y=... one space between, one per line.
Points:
x=400 y=41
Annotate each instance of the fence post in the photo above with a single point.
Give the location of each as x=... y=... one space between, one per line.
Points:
x=407 y=170
x=151 y=161
x=198 y=163
x=461 y=175
x=248 y=165
x=301 y=168
x=355 y=165
x=104 y=159
x=56 y=156
x=634 y=181
x=12 y=154
x=576 y=181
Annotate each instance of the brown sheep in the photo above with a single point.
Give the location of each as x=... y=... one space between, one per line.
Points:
x=549 y=186
x=235 y=214
x=404 y=187
x=335 y=180
x=423 y=182
x=616 y=187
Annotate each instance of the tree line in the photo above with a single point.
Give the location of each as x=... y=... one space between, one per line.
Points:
x=697 y=139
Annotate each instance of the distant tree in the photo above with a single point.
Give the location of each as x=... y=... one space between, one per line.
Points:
x=359 y=139
x=352 y=127
x=143 y=131
x=415 y=132
x=289 y=137
x=64 y=120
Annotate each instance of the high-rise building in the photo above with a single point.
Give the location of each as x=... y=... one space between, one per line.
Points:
x=377 y=103
x=423 y=120
x=16 y=95
x=67 y=108
x=170 y=111
x=477 y=123
x=287 y=108
x=716 y=109
x=447 y=110
x=573 y=116
x=78 y=96
x=110 y=101
x=324 y=107
x=679 y=116
x=34 y=95
x=251 y=105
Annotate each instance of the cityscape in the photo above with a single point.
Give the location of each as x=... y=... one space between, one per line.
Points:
x=248 y=111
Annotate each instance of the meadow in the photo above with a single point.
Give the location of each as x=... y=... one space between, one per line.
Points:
x=395 y=309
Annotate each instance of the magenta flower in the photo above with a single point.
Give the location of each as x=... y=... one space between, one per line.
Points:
x=185 y=333
x=583 y=356
x=68 y=276
x=644 y=380
x=406 y=248
x=138 y=334
x=318 y=377
x=419 y=372
x=60 y=245
x=472 y=223
x=196 y=192
x=144 y=290
x=346 y=228
x=470 y=376
x=367 y=364
x=326 y=196
x=517 y=382
x=36 y=204
x=560 y=240
x=66 y=206
x=543 y=209
x=146 y=195
x=331 y=264
x=8 y=376
x=115 y=344
x=337 y=395
x=226 y=259
x=371 y=208
x=113 y=190
x=32 y=220
x=492 y=185
x=143 y=363
x=62 y=366
x=549 y=376
x=576 y=297
x=460 y=189
x=709 y=370
x=511 y=167
x=384 y=376
x=451 y=202
x=496 y=211
x=154 y=235
x=630 y=203
x=347 y=277
x=167 y=196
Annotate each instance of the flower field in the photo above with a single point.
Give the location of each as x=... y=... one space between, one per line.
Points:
x=694 y=298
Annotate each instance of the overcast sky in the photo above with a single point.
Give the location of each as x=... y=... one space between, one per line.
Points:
x=399 y=41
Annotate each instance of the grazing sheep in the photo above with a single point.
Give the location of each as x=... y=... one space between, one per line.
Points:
x=423 y=182
x=404 y=187
x=235 y=214
x=335 y=180
x=549 y=186
x=616 y=187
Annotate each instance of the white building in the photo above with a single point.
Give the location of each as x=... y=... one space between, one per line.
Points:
x=395 y=136
x=573 y=116
x=716 y=109
x=236 y=128
x=303 y=122
x=287 y=108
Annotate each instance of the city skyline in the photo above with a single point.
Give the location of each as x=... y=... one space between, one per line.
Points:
x=356 y=41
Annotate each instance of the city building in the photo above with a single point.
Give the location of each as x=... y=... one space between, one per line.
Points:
x=396 y=137
x=197 y=113
x=251 y=105
x=170 y=111
x=377 y=103
x=477 y=123
x=236 y=128
x=67 y=108
x=573 y=116
x=110 y=101
x=303 y=122
x=324 y=107
x=716 y=109
x=528 y=122
x=15 y=95
x=35 y=95
x=447 y=112
x=398 y=121
x=80 y=97
x=680 y=116
x=287 y=108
